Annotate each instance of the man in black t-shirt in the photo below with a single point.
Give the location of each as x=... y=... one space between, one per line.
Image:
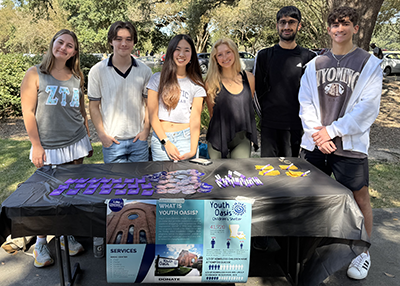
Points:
x=278 y=70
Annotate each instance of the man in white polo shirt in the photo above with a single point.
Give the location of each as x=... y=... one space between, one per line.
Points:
x=118 y=96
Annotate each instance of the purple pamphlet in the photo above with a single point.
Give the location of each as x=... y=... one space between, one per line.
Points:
x=147 y=192
x=120 y=192
x=104 y=180
x=91 y=189
x=80 y=186
x=115 y=181
x=105 y=191
x=133 y=191
x=57 y=192
x=119 y=186
x=146 y=186
x=81 y=181
x=72 y=192
x=93 y=180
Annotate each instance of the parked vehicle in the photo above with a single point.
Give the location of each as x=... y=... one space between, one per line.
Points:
x=390 y=63
x=247 y=61
x=150 y=61
x=203 y=61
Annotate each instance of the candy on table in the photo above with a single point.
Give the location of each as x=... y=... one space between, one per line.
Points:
x=173 y=191
x=130 y=181
x=142 y=180
x=264 y=167
x=271 y=172
x=297 y=174
x=288 y=167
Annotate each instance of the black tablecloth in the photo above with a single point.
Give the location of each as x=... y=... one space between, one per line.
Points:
x=313 y=206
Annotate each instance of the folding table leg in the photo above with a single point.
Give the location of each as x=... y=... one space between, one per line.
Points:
x=59 y=261
x=70 y=277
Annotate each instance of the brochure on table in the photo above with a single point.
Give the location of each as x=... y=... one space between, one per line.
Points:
x=177 y=240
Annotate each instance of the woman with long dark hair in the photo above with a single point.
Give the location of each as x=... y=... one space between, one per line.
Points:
x=54 y=114
x=175 y=98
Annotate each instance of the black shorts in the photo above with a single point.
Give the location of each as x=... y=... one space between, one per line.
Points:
x=351 y=172
x=280 y=143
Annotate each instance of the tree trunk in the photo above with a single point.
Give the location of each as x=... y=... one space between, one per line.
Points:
x=368 y=12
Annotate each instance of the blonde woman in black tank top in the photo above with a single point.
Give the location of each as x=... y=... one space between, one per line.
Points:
x=232 y=126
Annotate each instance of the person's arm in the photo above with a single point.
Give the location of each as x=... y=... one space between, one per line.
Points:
x=194 y=124
x=209 y=103
x=144 y=133
x=252 y=82
x=29 y=97
x=309 y=108
x=152 y=101
x=85 y=119
x=95 y=115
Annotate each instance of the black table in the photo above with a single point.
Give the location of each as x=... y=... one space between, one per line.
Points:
x=319 y=213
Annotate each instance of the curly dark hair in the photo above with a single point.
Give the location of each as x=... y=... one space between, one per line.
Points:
x=338 y=14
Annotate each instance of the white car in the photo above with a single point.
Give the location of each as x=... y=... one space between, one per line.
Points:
x=390 y=63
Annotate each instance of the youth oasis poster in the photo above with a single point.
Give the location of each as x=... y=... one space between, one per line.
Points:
x=177 y=240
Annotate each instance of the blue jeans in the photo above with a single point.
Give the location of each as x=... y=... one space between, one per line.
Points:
x=181 y=139
x=126 y=151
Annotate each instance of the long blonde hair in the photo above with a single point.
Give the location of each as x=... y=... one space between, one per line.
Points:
x=213 y=78
x=73 y=63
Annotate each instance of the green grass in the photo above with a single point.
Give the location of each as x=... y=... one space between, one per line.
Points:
x=384 y=184
x=15 y=168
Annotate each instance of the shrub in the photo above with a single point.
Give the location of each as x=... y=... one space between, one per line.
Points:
x=12 y=71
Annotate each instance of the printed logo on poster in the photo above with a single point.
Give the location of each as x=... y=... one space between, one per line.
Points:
x=116 y=205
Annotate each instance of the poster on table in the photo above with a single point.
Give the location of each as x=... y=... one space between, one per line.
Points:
x=177 y=240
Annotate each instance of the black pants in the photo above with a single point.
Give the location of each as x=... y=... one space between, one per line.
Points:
x=280 y=143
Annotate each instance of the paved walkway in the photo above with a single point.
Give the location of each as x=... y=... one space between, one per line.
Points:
x=18 y=269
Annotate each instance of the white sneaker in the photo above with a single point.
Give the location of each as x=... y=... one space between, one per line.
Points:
x=42 y=255
x=358 y=268
x=73 y=246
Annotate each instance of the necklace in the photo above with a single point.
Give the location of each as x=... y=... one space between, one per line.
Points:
x=338 y=61
x=232 y=80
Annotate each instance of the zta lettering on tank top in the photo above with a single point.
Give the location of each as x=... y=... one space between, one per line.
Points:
x=338 y=74
x=64 y=91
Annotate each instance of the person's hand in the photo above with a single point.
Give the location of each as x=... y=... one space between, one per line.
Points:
x=142 y=136
x=38 y=156
x=188 y=155
x=321 y=136
x=327 y=147
x=107 y=140
x=90 y=152
x=172 y=151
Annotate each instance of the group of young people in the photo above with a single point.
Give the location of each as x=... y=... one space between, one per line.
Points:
x=323 y=106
